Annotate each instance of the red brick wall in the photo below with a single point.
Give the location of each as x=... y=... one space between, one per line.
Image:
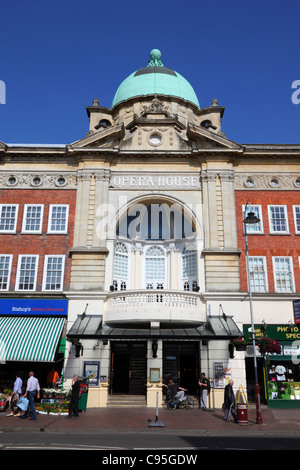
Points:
x=268 y=245
x=38 y=244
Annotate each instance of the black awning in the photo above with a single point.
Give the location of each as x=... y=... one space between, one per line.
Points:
x=91 y=327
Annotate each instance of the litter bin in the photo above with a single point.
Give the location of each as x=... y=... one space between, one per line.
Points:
x=242 y=413
x=83 y=394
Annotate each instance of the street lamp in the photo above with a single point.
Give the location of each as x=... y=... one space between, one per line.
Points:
x=251 y=218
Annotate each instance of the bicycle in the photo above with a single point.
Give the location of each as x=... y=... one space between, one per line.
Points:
x=186 y=402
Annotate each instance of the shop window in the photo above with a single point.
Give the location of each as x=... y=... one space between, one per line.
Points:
x=283 y=379
x=5 y=269
x=8 y=217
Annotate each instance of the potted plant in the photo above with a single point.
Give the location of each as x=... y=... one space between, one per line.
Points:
x=240 y=344
x=60 y=394
x=4 y=399
x=268 y=345
x=48 y=392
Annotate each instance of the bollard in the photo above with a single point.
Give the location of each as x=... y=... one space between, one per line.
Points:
x=156 y=423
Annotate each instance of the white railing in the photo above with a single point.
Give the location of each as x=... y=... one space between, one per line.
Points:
x=168 y=298
x=155 y=305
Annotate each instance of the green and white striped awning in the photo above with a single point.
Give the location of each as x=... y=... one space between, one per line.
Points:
x=29 y=338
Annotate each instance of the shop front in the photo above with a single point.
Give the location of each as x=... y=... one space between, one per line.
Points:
x=281 y=371
x=31 y=338
x=137 y=361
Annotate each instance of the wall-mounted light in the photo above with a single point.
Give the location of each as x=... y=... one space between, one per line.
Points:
x=78 y=348
x=263 y=327
x=154 y=348
x=231 y=350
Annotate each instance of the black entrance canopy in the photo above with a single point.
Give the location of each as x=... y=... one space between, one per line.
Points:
x=92 y=327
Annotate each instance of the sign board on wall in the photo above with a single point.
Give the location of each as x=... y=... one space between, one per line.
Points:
x=296 y=306
x=57 y=307
x=222 y=374
x=279 y=332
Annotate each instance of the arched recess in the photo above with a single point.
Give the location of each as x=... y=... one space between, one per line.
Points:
x=162 y=222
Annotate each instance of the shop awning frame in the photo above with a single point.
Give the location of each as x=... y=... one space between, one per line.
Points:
x=92 y=327
x=30 y=338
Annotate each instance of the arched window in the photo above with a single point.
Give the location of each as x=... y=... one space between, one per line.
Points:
x=155 y=268
x=189 y=270
x=120 y=275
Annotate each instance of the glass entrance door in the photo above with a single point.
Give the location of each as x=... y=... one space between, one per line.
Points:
x=181 y=362
x=129 y=368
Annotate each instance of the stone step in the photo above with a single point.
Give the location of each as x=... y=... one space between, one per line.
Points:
x=126 y=401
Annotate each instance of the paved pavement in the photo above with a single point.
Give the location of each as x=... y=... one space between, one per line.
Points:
x=276 y=422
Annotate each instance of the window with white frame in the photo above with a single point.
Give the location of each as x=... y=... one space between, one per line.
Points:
x=121 y=261
x=5 y=268
x=258 y=274
x=58 y=218
x=278 y=219
x=283 y=274
x=53 y=272
x=27 y=272
x=33 y=217
x=297 y=218
x=258 y=227
x=8 y=217
x=155 y=268
x=189 y=270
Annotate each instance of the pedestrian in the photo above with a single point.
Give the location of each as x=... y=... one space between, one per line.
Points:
x=229 y=402
x=52 y=378
x=73 y=405
x=17 y=391
x=32 y=392
x=204 y=389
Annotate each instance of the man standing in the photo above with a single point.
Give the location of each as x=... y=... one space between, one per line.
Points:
x=17 y=392
x=204 y=391
x=229 y=402
x=73 y=405
x=32 y=392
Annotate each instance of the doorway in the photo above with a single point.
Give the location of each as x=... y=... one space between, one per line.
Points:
x=181 y=362
x=129 y=368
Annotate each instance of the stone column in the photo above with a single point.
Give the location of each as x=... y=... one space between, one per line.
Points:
x=82 y=208
x=102 y=178
x=228 y=209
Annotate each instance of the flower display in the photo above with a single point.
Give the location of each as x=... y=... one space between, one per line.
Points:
x=268 y=345
x=240 y=342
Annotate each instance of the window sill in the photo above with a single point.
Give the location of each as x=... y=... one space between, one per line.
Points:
x=280 y=233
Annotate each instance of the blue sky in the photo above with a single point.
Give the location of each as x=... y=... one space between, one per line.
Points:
x=57 y=56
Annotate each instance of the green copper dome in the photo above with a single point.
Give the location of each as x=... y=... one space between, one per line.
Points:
x=155 y=79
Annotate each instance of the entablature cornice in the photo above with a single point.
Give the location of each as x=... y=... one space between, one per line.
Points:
x=267 y=181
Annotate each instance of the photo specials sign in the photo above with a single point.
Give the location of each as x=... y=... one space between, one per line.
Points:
x=30 y=307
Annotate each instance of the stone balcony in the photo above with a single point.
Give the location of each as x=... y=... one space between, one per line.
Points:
x=151 y=306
